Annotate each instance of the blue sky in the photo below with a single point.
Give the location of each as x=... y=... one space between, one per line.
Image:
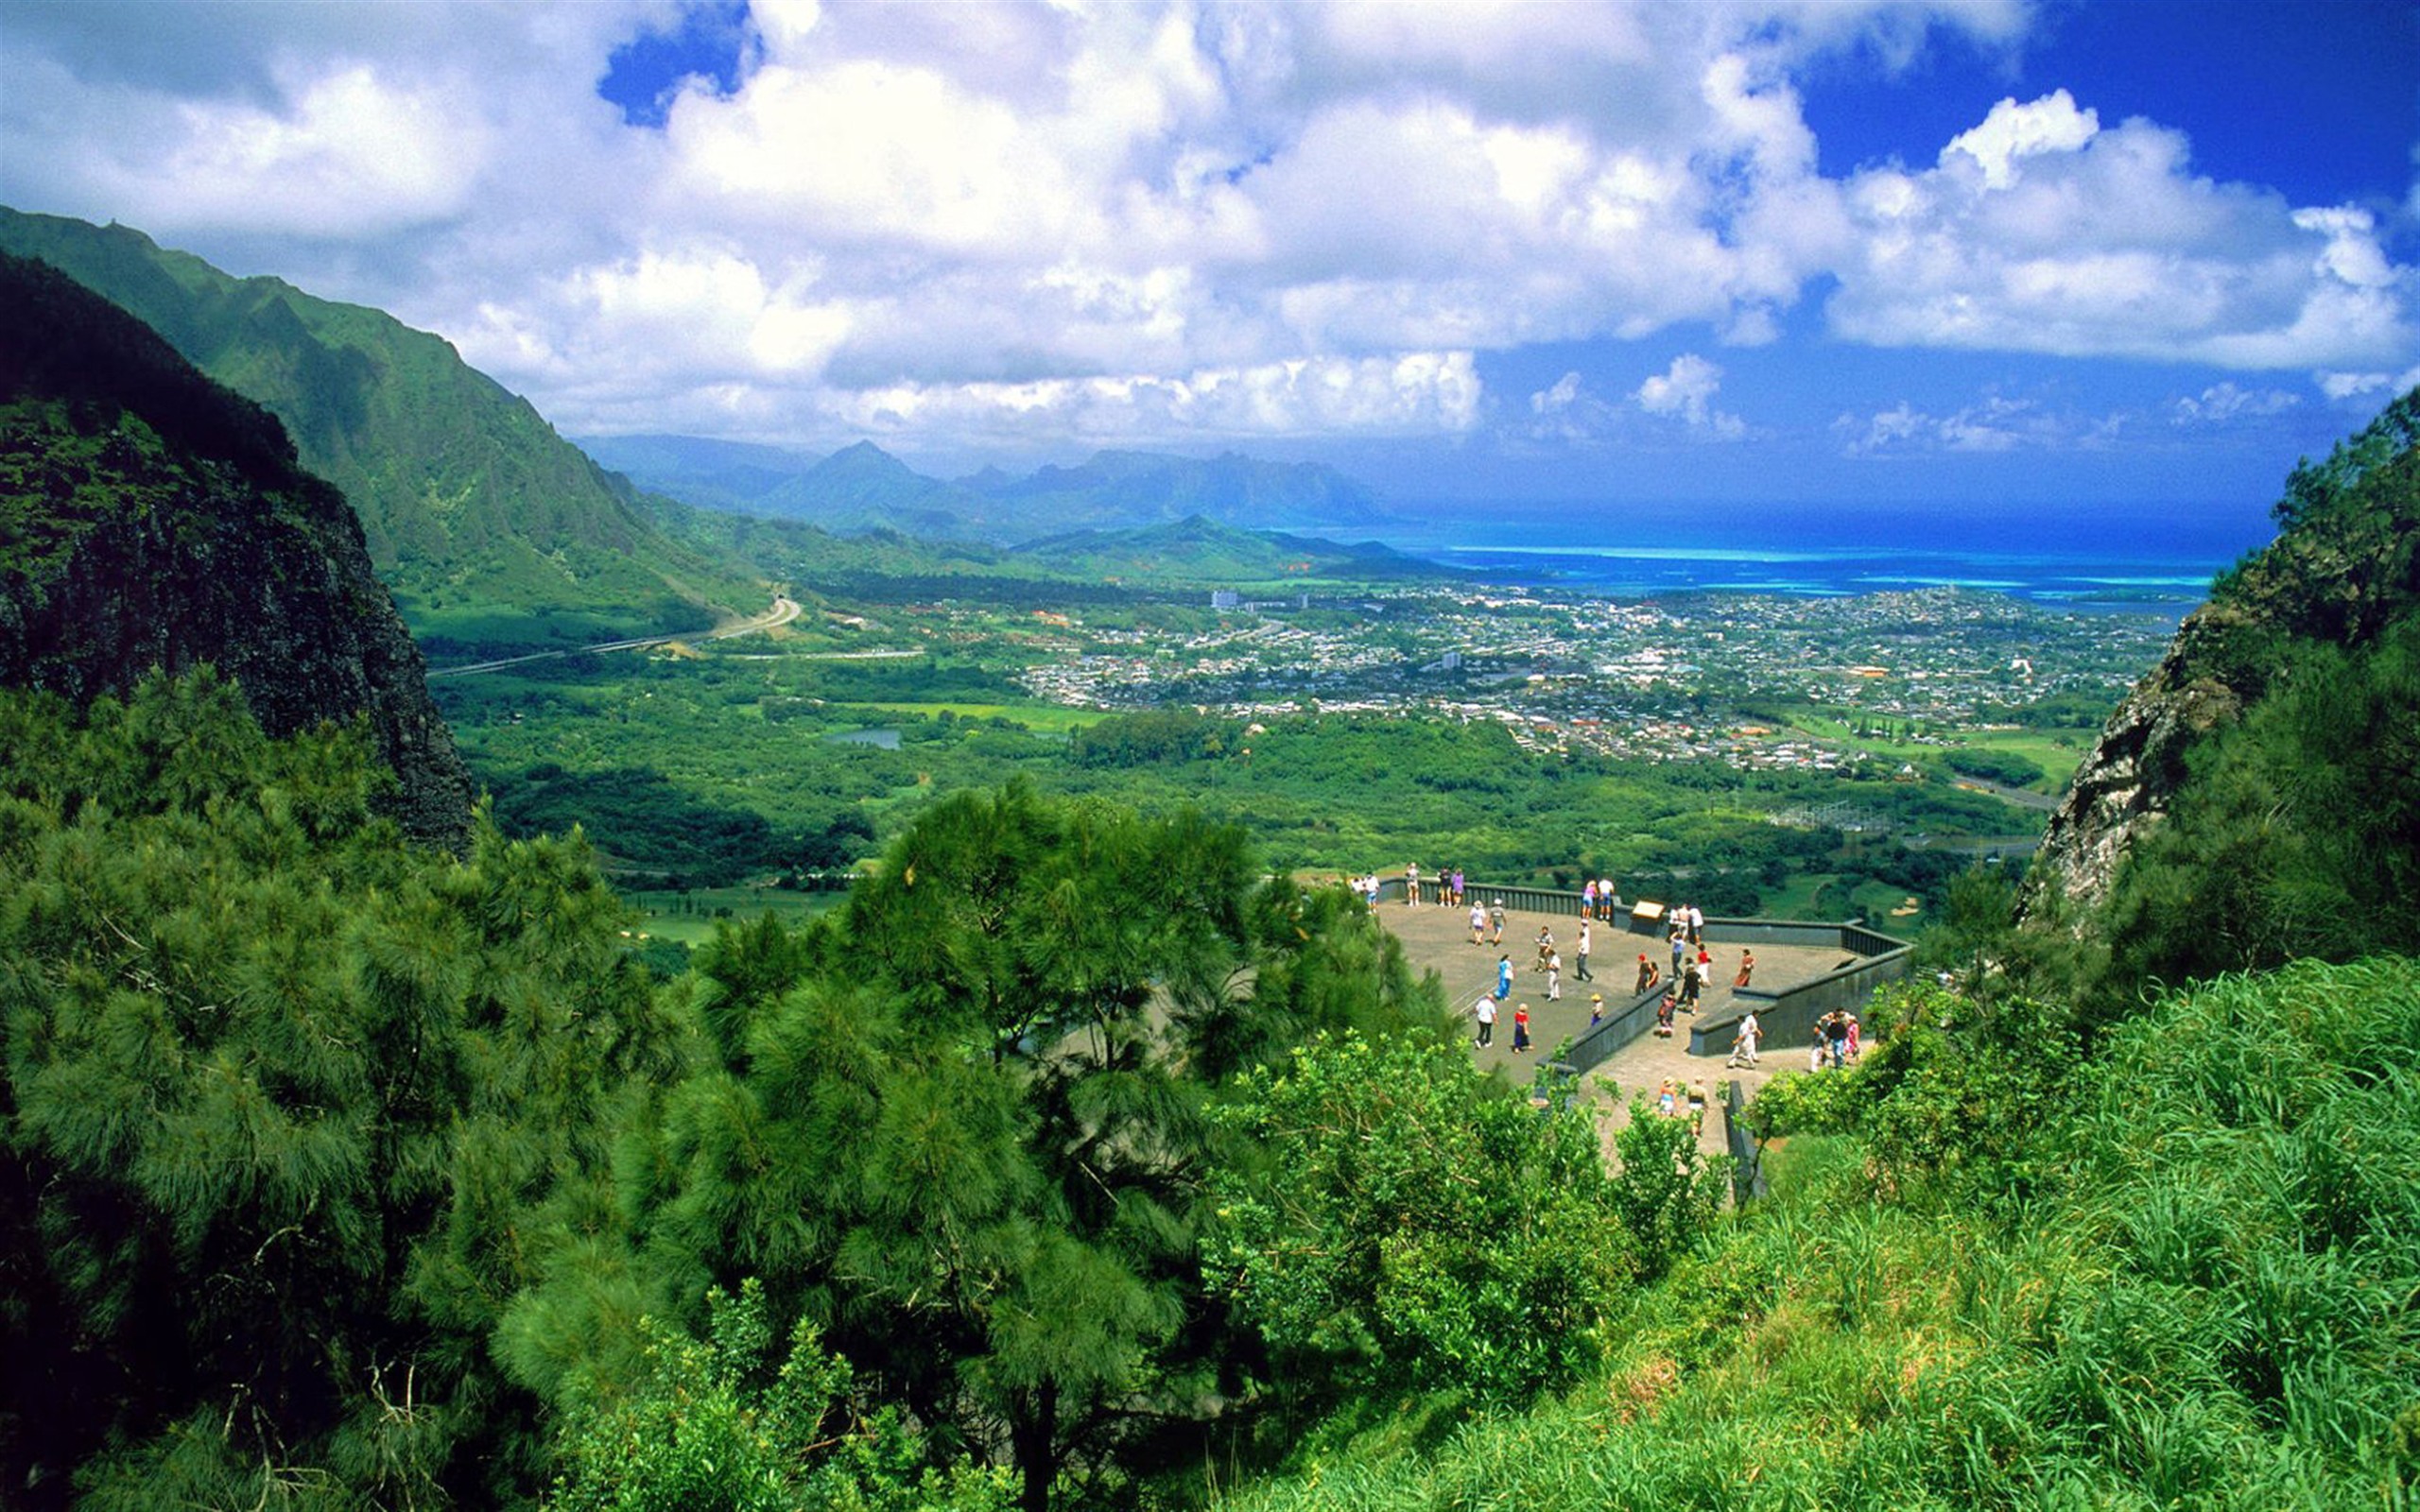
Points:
x=1965 y=255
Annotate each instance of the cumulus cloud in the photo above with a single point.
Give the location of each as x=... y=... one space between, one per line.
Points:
x=2042 y=231
x=1686 y=391
x=1164 y=220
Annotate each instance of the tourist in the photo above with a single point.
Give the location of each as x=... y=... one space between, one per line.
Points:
x=1607 y=899
x=1663 y=1017
x=1692 y=980
x=1646 y=974
x=1478 y=923
x=1588 y=899
x=1697 y=925
x=1458 y=886
x=1854 y=1050
x=1596 y=1009
x=1815 y=1048
x=1495 y=921
x=1485 y=1014
x=1668 y=1099
x=1743 y=1041
x=1835 y=1037
x=1680 y=947
x=1521 y=1029
x=1412 y=885
x=1747 y=969
x=1580 y=971
x=1545 y=947
x=1504 y=976
x=1554 y=976
x=1697 y=1107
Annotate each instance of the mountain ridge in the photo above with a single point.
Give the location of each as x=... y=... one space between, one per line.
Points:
x=486 y=522
x=150 y=518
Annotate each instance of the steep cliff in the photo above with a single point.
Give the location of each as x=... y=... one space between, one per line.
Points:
x=2344 y=566
x=151 y=519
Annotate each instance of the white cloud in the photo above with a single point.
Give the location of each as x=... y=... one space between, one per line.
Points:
x=2224 y=402
x=1686 y=391
x=1210 y=219
x=2041 y=230
x=1995 y=423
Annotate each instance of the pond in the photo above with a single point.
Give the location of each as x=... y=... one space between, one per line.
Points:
x=887 y=739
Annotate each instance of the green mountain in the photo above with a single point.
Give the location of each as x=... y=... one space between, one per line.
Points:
x=1202 y=552
x=151 y=519
x=862 y=486
x=491 y=528
x=1141 y=487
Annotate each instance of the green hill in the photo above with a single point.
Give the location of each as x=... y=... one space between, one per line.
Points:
x=491 y=529
x=150 y=519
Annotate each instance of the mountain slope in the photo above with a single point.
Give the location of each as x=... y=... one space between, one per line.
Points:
x=490 y=527
x=149 y=518
x=2342 y=573
x=862 y=486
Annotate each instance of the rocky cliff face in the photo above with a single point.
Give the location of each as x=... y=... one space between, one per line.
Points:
x=2345 y=564
x=151 y=519
x=2126 y=784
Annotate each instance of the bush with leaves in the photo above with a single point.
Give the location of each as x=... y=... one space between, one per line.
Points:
x=1410 y=1225
x=725 y=1424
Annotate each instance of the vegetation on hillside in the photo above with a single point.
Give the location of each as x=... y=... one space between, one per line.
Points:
x=491 y=529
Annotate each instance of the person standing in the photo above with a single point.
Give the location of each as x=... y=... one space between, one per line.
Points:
x=1606 y=898
x=1692 y=982
x=1836 y=1037
x=1680 y=947
x=1580 y=972
x=1485 y=1014
x=1521 y=1029
x=1743 y=1041
x=1747 y=969
x=1458 y=886
x=1596 y=1009
x=1554 y=976
x=1478 y=923
x=1588 y=899
x=1412 y=885
x=1504 y=976
x=1854 y=1050
x=1646 y=974
x=1697 y=925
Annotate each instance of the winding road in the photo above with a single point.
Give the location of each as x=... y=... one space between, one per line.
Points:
x=784 y=610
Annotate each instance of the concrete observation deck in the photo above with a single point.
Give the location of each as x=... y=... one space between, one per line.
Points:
x=1802 y=973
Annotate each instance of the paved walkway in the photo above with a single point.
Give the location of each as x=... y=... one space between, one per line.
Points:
x=1439 y=939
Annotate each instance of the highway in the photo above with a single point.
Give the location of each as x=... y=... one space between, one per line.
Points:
x=784 y=610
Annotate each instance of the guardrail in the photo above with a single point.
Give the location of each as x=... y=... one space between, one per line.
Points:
x=1869 y=958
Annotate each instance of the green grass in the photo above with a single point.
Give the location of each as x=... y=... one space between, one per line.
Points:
x=690 y=919
x=2206 y=1304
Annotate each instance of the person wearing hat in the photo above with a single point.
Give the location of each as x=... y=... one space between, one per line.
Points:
x=1596 y=1009
x=1646 y=975
x=1520 y=1028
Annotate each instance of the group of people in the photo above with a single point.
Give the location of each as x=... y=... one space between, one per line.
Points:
x=1444 y=887
x=1672 y=1100
x=1486 y=1014
x=1834 y=1041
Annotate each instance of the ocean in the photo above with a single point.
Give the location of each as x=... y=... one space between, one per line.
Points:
x=2152 y=559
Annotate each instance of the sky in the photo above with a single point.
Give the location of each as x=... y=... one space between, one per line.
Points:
x=1963 y=256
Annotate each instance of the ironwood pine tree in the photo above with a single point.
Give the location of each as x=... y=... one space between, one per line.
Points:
x=281 y=1094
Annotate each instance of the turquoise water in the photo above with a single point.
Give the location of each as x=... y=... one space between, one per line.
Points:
x=2147 y=559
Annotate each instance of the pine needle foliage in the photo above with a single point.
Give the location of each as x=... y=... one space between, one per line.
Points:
x=282 y=1094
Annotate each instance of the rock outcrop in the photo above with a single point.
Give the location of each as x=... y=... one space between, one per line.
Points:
x=151 y=519
x=2346 y=563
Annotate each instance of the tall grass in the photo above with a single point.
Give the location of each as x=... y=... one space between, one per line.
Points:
x=2217 y=1305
